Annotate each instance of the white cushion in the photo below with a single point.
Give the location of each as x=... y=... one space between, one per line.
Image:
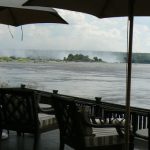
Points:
x=104 y=132
x=46 y=120
x=46 y=106
x=4 y=136
x=142 y=133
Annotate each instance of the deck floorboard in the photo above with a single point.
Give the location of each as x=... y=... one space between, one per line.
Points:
x=48 y=141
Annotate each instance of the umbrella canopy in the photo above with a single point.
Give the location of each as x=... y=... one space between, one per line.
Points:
x=28 y=15
x=99 y=8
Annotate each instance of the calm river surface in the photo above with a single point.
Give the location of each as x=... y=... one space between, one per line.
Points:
x=87 y=80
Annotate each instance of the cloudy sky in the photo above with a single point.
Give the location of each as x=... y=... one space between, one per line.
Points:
x=84 y=32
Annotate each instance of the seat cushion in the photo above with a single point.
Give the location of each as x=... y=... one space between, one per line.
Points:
x=143 y=133
x=45 y=106
x=104 y=132
x=106 y=142
x=104 y=137
x=46 y=120
x=4 y=136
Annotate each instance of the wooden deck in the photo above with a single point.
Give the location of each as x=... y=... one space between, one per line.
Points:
x=48 y=141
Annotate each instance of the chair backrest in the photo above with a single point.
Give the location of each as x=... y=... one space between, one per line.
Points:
x=69 y=120
x=19 y=110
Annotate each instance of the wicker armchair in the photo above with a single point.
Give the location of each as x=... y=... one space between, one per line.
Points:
x=19 y=112
x=80 y=131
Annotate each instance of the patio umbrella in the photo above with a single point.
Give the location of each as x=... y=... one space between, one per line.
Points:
x=99 y=8
x=17 y=16
x=105 y=9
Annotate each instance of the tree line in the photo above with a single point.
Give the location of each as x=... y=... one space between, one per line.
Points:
x=81 y=58
x=143 y=58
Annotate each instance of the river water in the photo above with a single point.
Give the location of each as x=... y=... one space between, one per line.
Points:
x=87 y=80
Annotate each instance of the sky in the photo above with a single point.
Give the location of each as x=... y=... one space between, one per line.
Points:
x=84 y=32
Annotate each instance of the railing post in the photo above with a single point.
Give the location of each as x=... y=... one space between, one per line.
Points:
x=98 y=109
x=55 y=91
x=135 y=122
x=22 y=86
x=149 y=131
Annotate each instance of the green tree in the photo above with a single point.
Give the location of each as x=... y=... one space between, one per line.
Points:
x=13 y=57
x=95 y=59
x=70 y=57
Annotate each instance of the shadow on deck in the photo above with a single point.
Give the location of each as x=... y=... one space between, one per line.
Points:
x=48 y=141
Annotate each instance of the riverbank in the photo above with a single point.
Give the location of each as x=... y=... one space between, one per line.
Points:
x=37 y=60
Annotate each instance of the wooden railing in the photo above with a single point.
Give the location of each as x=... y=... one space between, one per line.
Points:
x=139 y=117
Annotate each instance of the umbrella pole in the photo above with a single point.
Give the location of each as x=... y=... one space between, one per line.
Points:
x=129 y=71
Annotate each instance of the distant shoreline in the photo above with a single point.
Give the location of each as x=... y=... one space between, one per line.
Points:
x=52 y=61
x=38 y=60
x=14 y=59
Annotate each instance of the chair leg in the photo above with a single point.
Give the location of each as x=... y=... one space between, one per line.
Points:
x=131 y=146
x=18 y=133
x=8 y=132
x=0 y=133
x=36 y=141
x=62 y=145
